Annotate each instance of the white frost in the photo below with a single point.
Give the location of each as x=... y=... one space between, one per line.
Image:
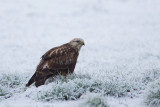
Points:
x=122 y=46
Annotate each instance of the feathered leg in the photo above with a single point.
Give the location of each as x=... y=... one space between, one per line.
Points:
x=41 y=80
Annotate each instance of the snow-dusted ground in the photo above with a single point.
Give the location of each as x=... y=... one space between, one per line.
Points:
x=122 y=48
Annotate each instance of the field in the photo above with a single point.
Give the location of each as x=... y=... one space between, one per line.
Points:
x=119 y=66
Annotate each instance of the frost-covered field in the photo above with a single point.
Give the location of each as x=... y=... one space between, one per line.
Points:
x=118 y=67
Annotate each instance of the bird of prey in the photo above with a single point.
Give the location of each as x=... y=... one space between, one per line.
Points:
x=59 y=60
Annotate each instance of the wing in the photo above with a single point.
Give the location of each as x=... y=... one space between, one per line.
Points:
x=59 y=58
x=50 y=53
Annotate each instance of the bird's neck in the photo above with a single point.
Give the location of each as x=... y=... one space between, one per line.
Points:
x=76 y=48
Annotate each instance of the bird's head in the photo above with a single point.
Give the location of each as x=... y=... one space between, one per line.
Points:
x=77 y=43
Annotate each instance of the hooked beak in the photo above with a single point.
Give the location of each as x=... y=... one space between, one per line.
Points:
x=83 y=43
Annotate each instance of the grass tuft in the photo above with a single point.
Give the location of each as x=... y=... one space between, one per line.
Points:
x=93 y=100
x=152 y=94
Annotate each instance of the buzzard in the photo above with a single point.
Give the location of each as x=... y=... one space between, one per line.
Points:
x=59 y=60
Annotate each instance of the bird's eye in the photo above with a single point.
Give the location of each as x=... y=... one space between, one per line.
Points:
x=78 y=41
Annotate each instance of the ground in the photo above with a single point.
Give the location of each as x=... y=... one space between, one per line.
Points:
x=120 y=57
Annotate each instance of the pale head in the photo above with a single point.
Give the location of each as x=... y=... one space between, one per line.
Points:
x=77 y=43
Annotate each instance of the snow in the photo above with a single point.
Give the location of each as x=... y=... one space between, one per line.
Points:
x=122 y=48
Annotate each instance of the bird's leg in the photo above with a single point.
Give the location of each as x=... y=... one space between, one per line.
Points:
x=40 y=82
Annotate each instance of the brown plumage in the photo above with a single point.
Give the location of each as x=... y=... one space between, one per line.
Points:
x=57 y=61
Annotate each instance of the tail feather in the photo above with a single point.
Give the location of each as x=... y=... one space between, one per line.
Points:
x=32 y=80
x=39 y=79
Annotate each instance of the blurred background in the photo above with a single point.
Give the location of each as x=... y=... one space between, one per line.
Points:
x=115 y=31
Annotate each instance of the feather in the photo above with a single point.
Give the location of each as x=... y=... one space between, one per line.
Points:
x=59 y=60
